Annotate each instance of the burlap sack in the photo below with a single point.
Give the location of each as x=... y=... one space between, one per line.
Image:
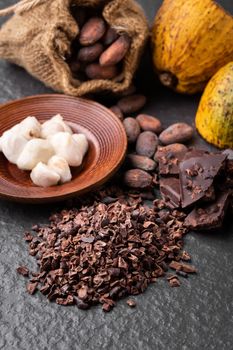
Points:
x=39 y=34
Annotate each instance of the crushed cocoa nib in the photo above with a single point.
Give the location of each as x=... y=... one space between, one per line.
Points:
x=174 y=282
x=175 y=265
x=131 y=302
x=32 y=287
x=23 y=270
x=108 y=247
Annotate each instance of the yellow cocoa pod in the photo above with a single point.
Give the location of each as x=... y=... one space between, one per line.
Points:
x=214 y=119
x=192 y=40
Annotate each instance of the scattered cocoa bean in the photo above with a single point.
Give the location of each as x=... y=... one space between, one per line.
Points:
x=149 y=123
x=141 y=162
x=116 y=110
x=92 y=31
x=137 y=178
x=116 y=52
x=131 y=104
x=175 y=133
x=132 y=129
x=110 y=36
x=95 y=71
x=90 y=53
x=147 y=143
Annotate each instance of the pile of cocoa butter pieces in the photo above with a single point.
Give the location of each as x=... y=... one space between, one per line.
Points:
x=198 y=181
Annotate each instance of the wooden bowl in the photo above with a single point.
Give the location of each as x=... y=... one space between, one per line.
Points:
x=107 y=146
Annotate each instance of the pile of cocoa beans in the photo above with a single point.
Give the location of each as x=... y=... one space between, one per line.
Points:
x=98 y=50
x=146 y=138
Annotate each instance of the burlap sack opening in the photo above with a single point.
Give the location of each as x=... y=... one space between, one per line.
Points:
x=39 y=38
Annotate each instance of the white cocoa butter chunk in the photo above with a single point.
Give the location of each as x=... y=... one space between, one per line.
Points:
x=66 y=147
x=41 y=175
x=30 y=128
x=35 y=151
x=12 y=145
x=61 y=167
x=54 y=125
x=82 y=142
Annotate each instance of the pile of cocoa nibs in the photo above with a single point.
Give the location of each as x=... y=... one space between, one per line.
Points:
x=110 y=248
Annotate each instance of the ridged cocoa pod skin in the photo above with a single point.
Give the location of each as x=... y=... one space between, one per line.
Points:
x=92 y=31
x=132 y=129
x=95 y=71
x=141 y=162
x=115 y=52
x=110 y=36
x=149 y=123
x=137 y=178
x=116 y=110
x=91 y=53
x=147 y=144
x=176 y=133
x=131 y=104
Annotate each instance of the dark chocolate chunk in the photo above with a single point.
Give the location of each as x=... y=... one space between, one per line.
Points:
x=169 y=158
x=194 y=152
x=170 y=191
x=209 y=216
x=197 y=175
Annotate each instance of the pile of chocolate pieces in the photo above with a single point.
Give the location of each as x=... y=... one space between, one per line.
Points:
x=199 y=182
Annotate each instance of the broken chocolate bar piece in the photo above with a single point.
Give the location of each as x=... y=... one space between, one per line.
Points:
x=197 y=175
x=229 y=167
x=194 y=152
x=169 y=158
x=170 y=191
x=209 y=216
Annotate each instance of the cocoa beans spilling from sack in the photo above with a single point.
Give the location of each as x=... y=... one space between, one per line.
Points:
x=78 y=47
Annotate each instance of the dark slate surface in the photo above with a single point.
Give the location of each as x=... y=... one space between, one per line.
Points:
x=198 y=315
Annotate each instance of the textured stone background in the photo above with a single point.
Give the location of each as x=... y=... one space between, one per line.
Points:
x=198 y=315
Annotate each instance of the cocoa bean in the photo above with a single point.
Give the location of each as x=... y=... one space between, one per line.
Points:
x=116 y=52
x=92 y=31
x=141 y=162
x=90 y=53
x=147 y=143
x=95 y=71
x=130 y=91
x=116 y=110
x=131 y=104
x=110 y=36
x=137 y=178
x=175 y=133
x=132 y=129
x=149 y=123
